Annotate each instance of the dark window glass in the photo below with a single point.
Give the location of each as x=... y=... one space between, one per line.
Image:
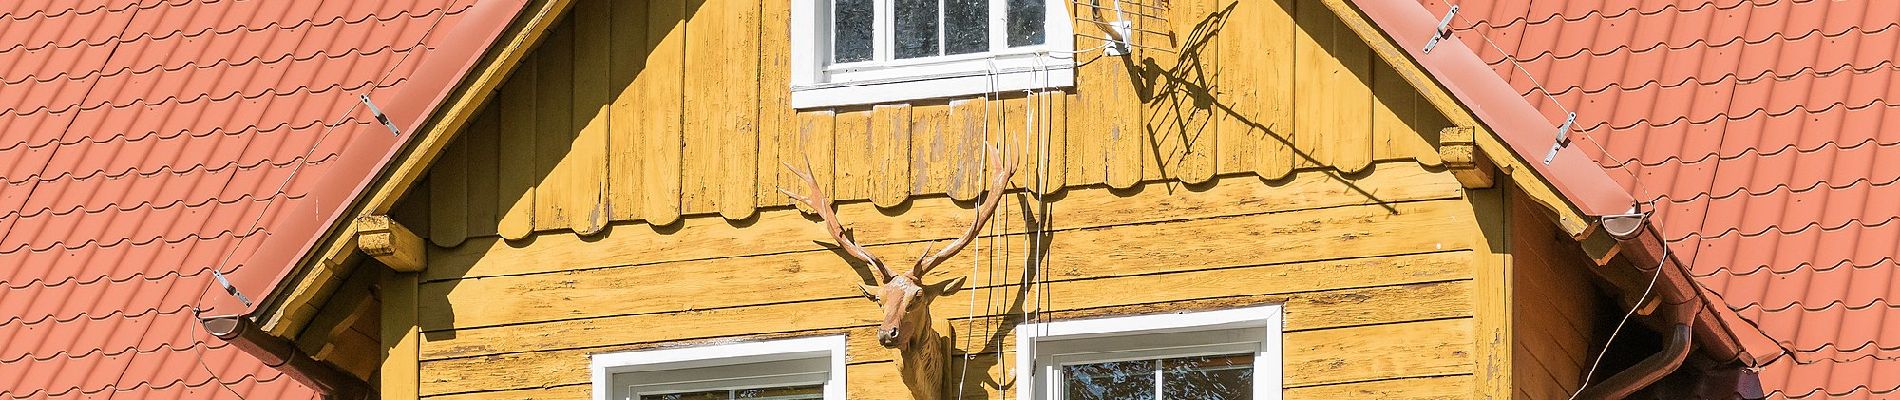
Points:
x=1213 y=377
x=851 y=37
x=1026 y=22
x=916 y=28
x=1227 y=377
x=813 y=392
x=708 y=395
x=966 y=26
x=1121 y=380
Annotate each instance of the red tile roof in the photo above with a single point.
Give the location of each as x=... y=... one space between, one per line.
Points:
x=1756 y=127
x=145 y=144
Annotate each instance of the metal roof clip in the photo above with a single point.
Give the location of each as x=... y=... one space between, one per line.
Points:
x=228 y=288
x=378 y=112
x=1444 y=29
x=1563 y=138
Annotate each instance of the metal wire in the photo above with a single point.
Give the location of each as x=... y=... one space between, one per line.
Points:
x=302 y=161
x=1637 y=183
x=1588 y=374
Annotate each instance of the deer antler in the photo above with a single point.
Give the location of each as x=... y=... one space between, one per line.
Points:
x=821 y=203
x=1004 y=170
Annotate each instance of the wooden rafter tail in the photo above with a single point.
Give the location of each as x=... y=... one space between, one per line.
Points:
x=1459 y=148
x=390 y=243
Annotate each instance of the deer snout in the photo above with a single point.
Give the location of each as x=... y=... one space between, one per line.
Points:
x=887 y=337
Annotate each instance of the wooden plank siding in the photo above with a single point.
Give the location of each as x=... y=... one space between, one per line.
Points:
x=1368 y=298
x=1554 y=332
x=627 y=181
x=657 y=110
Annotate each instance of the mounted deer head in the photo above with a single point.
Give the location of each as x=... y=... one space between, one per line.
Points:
x=903 y=297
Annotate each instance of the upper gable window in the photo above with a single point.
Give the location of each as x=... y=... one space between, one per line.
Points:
x=873 y=51
x=1232 y=354
x=787 y=369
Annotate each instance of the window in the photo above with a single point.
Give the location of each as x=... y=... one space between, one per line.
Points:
x=1227 y=354
x=791 y=369
x=872 y=51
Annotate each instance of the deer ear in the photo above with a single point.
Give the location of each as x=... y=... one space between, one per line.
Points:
x=870 y=291
x=948 y=286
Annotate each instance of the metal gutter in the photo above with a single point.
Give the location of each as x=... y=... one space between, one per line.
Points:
x=333 y=383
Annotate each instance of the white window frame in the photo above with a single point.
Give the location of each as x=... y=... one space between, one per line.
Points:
x=1158 y=332
x=818 y=83
x=831 y=348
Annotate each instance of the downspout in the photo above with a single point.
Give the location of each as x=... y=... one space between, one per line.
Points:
x=1674 y=292
x=278 y=353
x=1648 y=371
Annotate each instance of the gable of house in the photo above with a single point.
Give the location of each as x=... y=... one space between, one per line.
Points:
x=630 y=166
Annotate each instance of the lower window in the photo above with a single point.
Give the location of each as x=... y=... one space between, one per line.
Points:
x=792 y=369
x=1223 y=355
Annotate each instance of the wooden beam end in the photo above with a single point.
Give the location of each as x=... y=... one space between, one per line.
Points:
x=390 y=243
x=1459 y=148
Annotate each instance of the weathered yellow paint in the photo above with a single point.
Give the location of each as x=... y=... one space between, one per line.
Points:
x=584 y=191
x=642 y=163
x=554 y=123
x=659 y=88
x=518 y=179
x=630 y=117
x=398 y=377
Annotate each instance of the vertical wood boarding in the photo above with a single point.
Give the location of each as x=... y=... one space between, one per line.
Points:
x=777 y=120
x=932 y=147
x=448 y=196
x=968 y=124
x=484 y=191
x=852 y=156
x=399 y=376
x=518 y=177
x=660 y=89
x=1181 y=127
x=812 y=152
x=554 y=122
x=596 y=126
x=585 y=194
x=721 y=126
x=889 y=148
x=631 y=47
x=1333 y=70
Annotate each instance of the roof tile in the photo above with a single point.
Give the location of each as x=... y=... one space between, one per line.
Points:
x=144 y=144
x=1761 y=125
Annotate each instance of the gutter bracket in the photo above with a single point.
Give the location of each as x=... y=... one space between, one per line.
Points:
x=1563 y=138
x=229 y=288
x=380 y=117
x=1444 y=29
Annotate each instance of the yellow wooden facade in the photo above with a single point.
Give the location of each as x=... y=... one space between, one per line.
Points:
x=620 y=191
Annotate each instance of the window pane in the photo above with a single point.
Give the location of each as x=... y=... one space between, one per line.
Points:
x=916 y=28
x=1026 y=22
x=1122 y=380
x=1208 y=378
x=966 y=26
x=851 y=33
x=813 y=392
x=706 y=395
